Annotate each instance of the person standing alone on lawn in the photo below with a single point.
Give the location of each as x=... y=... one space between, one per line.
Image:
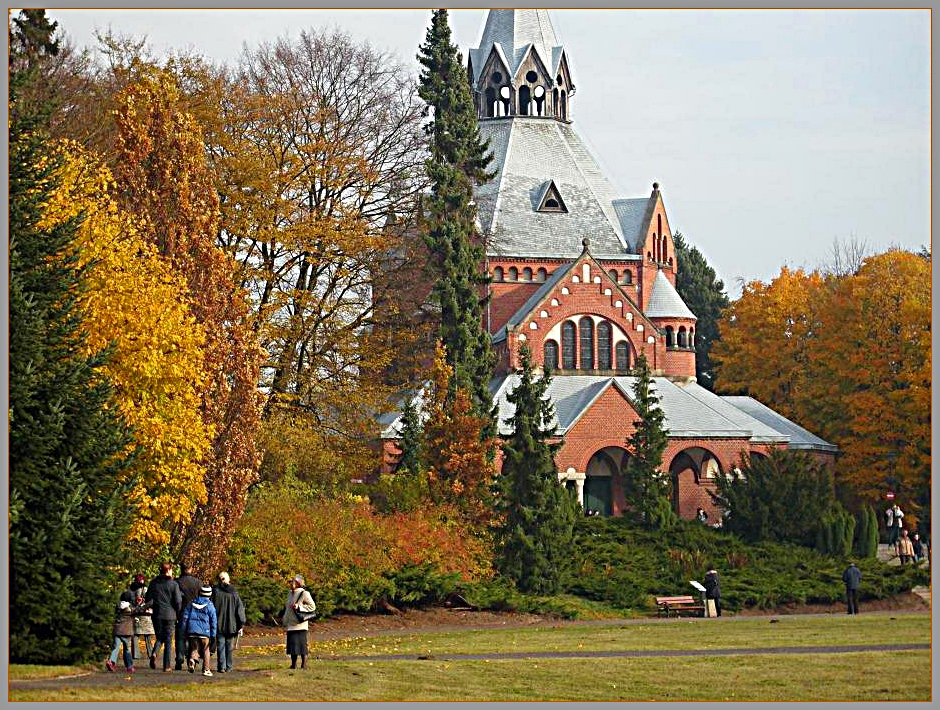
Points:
x=852 y=578
x=164 y=597
x=713 y=589
x=298 y=600
x=231 y=614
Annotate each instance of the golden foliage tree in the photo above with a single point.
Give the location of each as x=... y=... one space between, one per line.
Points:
x=848 y=357
x=163 y=179
x=317 y=148
x=139 y=308
x=460 y=458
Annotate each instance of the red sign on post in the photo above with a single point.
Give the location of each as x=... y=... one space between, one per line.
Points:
x=890 y=495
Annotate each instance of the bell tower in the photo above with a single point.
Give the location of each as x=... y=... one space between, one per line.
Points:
x=520 y=68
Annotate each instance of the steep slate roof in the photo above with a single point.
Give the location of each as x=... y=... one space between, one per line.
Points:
x=800 y=438
x=631 y=213
x=527 y=152
x=665 y=301
x=513 y=31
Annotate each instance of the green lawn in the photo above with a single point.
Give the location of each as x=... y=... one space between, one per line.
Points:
x=816 y=676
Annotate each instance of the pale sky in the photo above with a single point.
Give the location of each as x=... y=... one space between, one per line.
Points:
x=772 y=133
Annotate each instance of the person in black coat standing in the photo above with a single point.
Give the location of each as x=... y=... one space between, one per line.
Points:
x=189 y=586
x=165 y=599
x=713 y=589
x=852 y=578
x=231 y=618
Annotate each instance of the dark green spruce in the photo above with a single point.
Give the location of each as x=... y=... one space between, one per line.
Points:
x=539 y=513
x=458 y=161
x=67 y=518
x=704 y=294
x=644 y=482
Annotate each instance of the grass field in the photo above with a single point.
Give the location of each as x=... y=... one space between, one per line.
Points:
x=779 y=676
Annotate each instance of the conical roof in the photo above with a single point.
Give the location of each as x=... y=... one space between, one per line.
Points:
x=665 y=301
x=514 y=31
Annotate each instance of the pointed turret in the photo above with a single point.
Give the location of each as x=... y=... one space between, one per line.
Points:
x=520 y=68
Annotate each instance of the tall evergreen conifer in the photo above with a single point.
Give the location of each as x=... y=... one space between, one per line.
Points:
x=458 y=160
x=643 y=481
x=413 y=460
x=704 y=294
x=67 y=445
x=538 y=513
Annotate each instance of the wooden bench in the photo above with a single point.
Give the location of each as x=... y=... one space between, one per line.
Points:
x=678 y=605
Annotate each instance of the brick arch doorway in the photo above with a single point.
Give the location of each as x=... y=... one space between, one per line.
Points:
x=603 y=485
x=692 y=474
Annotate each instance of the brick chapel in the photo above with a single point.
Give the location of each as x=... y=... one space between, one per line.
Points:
x=587 y=279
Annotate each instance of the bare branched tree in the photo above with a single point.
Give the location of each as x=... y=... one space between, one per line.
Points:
x=846 y=256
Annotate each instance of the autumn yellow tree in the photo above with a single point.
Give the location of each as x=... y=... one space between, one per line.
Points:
x=460 y=459
x=872 y=377
x=318 y=152
x=163 y=179
x=765 y=339
x=139 y=308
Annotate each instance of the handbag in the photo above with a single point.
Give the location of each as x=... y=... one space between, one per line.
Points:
x=305 y=615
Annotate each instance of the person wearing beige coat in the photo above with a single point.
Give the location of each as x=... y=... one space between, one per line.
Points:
x=905 y=548
x=298 y=599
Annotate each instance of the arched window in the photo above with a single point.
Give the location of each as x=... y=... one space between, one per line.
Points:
x=541 y=274
x=681 y=339
x=551 y=355
x=555 y=107
x=670 y=336
x=513 y=273
x=623 y=355
x=525 y=97
x=490 y=102
x=586 y=342
x=505 y=96
x=527 y=274
x=613 y=274
x=603 y=345
x=664 y=251
x=567 y=345
x=564 y=106
x=539 y=95
x=498 y=273
x=627 y=277
x=692 y=338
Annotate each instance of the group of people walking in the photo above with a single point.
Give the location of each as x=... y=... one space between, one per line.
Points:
x=189 y=621
x=183 y=617
x=908 y=549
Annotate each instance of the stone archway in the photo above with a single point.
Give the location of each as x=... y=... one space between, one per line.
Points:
x=603 y=490
x=692 y=473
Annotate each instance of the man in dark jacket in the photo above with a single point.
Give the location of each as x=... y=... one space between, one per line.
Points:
x=852 y=578
x=713 y=589
x=189 y=586
x=166 y=600
x=231 y=618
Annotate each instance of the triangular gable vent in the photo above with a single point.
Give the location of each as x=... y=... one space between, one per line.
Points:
x=551 y=200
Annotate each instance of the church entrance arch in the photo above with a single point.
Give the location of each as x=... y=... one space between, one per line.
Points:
x=602 y=480
x=692 y=473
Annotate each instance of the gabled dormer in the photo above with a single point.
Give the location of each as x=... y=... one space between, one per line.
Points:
x=550 y=199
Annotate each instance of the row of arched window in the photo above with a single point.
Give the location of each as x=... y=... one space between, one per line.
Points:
x=681 y=338
x=623 y=278
x=578 y=351
x=499 y=99
x=514 y=274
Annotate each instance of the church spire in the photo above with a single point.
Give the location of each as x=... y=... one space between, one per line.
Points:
x=520 y=68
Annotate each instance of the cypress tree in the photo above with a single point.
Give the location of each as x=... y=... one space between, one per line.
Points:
x=536 y=532
x=643 y=481
x=412 y=460
x=457 y=162
x=68 y=447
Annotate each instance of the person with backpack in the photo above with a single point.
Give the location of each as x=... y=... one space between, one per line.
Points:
x=200 y=624
x=230 y=610
x=297 y=611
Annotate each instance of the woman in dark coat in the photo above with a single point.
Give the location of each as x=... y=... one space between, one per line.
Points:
x=713 y=589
